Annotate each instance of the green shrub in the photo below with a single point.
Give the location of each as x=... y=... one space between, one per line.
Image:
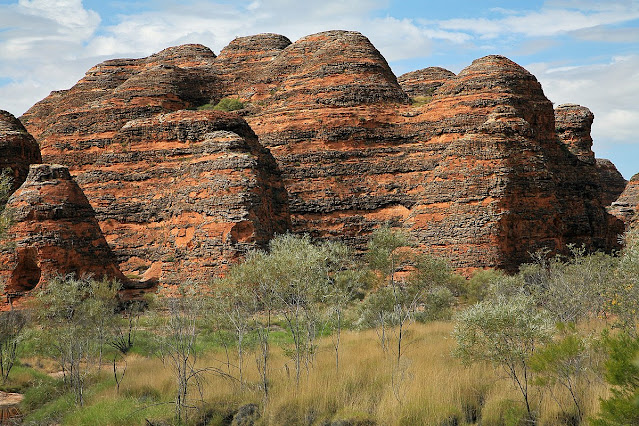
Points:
x=418 y=101
x=225 y=104
x=622 y=372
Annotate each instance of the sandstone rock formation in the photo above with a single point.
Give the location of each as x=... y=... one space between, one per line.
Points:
x=573 y=124
x=626 y=207
x=424 y=82
x=328 y=120
x=612 y=182
x=242 y=65
x=180 y=195
x=177 y=195
x=18 y=149
x=478 y=174
x=86 y=116
x=54 y=232
x=501 y=185
x=189 y=192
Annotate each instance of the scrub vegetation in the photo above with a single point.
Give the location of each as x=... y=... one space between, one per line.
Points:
x=311 y=334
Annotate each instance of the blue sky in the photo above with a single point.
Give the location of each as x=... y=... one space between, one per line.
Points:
x=584 y=52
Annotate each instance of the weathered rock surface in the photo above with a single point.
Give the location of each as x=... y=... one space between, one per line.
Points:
x=328 y=120
x=177 y=195
x=573 y=124
x=626 y=207
x=54 y=232
x=87 y=116
x=612 y=182
x=478 y=174
x=18 y=149
x=242 y=65
x=424 y=82
x=501 y=185
x=192 y=192
x=180 y=195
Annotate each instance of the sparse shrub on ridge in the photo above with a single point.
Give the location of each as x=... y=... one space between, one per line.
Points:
x=225 y=104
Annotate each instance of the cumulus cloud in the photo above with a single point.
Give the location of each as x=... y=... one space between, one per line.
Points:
x=41 y=46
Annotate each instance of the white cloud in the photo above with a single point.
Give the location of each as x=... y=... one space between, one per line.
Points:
x=72 y=17
x=545 y=22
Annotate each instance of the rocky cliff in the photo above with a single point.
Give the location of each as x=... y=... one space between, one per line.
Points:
x=573 y=124
x=477 y=170
x=18 y=149
x=501 y=185
x=53 y=232
x=179 y=194
x=626 y=207
x=612 y=182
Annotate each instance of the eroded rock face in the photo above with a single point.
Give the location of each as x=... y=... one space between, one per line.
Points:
x=501 y=185
x=626 y=207
x=54 y=232
x=192 y=192
x=181 y=195
x=88 y=115
x=242 y=65
x=327 y=119
x=424 y=82
x=478 y=174
x=612 y=182
x=18 y=149
x=573 y=124
x=332 y=69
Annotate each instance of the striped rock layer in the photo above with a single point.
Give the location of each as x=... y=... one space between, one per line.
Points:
x=476 y=171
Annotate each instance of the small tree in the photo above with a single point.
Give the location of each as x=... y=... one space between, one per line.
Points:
x=505 y=333
x=299 y=274
x=346 y=286
x=234 y=306
x=571 y=289
x=622 y=292
x=394 y=303
x=294 y=277
x=253 y=276
x=622 y=372
x=122 y=336
x=71 y=312
x=11 y=325
x=178 y=343
x=565 y=362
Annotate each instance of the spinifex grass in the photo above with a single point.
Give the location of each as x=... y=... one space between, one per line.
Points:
x=433 y=388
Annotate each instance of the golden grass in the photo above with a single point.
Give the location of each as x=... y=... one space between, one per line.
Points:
x=433 y=387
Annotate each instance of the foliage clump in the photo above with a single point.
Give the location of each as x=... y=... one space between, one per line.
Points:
x=225 y=104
